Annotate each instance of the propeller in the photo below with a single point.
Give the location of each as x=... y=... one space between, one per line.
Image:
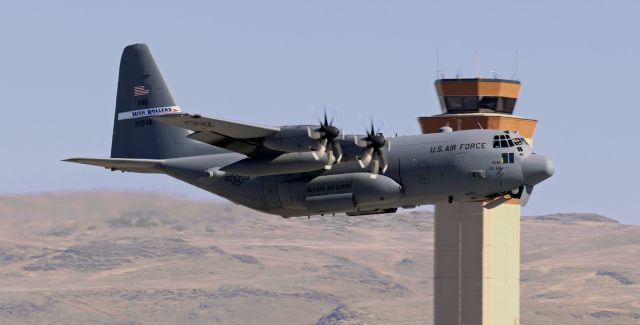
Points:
x=525 y=193
x=326 y=135
x=373 y=155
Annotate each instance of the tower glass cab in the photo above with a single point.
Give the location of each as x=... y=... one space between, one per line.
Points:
x=477 y=95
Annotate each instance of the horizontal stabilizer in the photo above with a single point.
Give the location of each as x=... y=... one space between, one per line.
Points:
x=127 y=165
x=232 y=129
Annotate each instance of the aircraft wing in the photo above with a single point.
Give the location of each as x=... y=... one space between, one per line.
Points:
x=245 y=138
x=127 y=165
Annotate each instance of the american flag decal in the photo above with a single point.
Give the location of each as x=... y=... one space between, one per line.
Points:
x=140 y=91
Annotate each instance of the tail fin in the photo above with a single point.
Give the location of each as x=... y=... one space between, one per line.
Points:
x=142 y=92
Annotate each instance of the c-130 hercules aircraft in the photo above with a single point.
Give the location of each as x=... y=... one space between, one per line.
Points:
x=303 y=170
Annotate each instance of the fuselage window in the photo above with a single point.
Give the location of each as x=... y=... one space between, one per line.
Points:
x=508 y=158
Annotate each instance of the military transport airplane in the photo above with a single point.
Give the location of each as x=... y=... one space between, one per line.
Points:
x=303 y=170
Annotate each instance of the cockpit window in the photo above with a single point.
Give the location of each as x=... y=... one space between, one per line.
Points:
x=505 y=141
x=519 y=141
x=502 y=141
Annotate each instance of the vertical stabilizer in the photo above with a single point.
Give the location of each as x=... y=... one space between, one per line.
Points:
x=142 y=93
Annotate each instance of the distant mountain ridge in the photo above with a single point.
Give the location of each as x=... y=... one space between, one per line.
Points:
x=571 y=217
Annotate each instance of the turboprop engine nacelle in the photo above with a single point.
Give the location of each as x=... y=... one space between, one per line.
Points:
x=291 y=139
x=350 y=192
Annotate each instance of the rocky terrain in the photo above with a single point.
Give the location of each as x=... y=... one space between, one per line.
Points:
x=143 y=258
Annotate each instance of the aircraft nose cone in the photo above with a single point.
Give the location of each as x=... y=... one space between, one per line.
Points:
x=536 y=168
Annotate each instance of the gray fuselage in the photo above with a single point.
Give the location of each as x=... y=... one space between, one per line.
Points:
x=431 y=168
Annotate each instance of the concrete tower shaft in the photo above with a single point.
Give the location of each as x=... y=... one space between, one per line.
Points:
x=477 y=250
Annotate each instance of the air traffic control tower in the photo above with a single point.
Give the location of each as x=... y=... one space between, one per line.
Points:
x=477 y=250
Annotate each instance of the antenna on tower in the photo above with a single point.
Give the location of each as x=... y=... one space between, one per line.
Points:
x=515 y=65
x=477 y=64
x=437 y=63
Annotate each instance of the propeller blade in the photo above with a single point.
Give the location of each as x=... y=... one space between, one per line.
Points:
x=326 y=122
x=338 y=151
x=375 y=166
x=526 y=194
x=384 y=161
x=366 y=159
x=315 y=135
x=322 y=147
x=330 y=161
x=359 y=142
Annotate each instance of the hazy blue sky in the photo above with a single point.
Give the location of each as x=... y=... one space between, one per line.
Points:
x=270 y=62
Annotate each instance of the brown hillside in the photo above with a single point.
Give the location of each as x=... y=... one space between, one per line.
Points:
x=111 y=257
